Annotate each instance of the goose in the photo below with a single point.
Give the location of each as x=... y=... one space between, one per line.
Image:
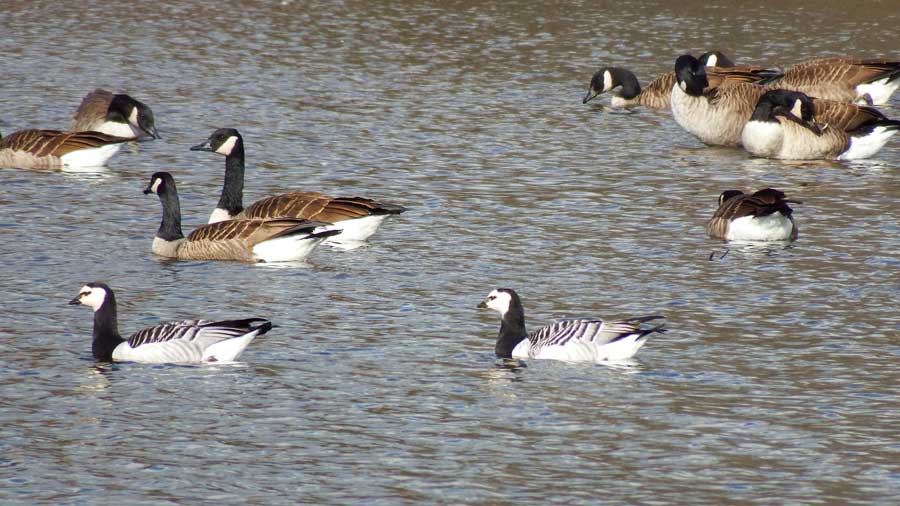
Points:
x=791 y=125
x=53 y=149
x=114 y=114
x=715 y=115
x=762 y=216
x=357 y=218
x=626 y=91
x=851 y=80
x=276 y=240
x=182 y=342
x=573 y=340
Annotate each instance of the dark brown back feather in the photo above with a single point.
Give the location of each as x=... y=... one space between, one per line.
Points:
x=54 y=142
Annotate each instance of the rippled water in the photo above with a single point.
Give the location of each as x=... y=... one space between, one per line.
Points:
x=777 y=381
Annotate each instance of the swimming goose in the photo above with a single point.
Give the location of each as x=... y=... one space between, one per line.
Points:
x=763 y=216
x=626 y=91
x=183 y=342
x=715 y=115
x=357 y=218
x=53 y=149
x=113 y=114
x=843 y=79
x=791 y=125
x=276 y=240
x=574 y=340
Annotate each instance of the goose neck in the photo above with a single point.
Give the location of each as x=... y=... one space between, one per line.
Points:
x=106 y=330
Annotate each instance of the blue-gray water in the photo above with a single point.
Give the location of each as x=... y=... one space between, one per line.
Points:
x=777 y=383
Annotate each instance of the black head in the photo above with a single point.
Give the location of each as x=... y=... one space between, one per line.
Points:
x=715 y=59
x=784 y=103
x=135 y=113
x=160 y=182
x=728 y=195
x=225 y=141
x=609 y=78
x=691 y=75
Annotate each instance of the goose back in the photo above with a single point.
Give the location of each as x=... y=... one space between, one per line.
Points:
x=49 y=149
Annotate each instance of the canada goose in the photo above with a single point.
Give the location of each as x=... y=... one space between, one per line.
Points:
x=791 y=125
x=626 y=91
x=715 y=59
x=843 y=79
x=188 y=341
x=357 y=218
x=763 y=216
x=574 y=340
x=52 y=149
x=118 y=115
x=715 y=115
x=276 y=240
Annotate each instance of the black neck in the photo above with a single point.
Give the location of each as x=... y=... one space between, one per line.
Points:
x=233 y=189
x=512 y=331
x=764 y=111
x=106 y=329
x=630 y=85
x=170 y=227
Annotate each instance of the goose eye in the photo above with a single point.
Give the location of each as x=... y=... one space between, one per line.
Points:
x=492 y=297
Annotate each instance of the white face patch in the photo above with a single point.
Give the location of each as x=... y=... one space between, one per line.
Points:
x=683 y=86
x=712 y=60
x=797 y=110
x=92 y=296
x=155 y=186
x=607 y=81
x=227 y=146
x=133 y=118
x=498 y=301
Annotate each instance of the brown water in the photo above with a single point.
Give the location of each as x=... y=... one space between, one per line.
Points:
x=777 y=383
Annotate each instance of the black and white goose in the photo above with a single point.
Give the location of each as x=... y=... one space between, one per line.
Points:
x=275 y=240
x=791 y=125
x=53 y=149
x=573 y=340
x=761 y=216
x=114 y=114
x=357 y=218
x=183 y=342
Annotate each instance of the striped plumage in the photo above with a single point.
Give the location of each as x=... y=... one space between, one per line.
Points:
x=791 y=125
x=842 y=79
x=276 y=240
x=762 y=216
x=574 y=340
x=188 y=341
x=357 y=218
x=52 y=149
x=626 y=91
x=113 y=114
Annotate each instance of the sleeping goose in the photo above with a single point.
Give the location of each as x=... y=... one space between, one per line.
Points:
x=357 y=218
x=573 y=340
x=763 y=216
x=626 y=91
x=114 y=114
x=715 y=115
x=276 y=240
x=53 y=149
x=184 y=342
x=791 y=125
x=843 y=79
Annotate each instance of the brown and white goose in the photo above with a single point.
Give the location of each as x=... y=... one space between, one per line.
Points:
x=356 y=218
x=53 y=149
x=114 y=114
x=791 y=125
x=275 y=240
x=761 y=216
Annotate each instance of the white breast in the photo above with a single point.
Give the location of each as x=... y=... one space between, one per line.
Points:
x=762 y=138
x=90 y=157
x=774 y=227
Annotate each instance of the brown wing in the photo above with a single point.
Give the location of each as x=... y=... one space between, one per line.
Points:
x=848 y=70
x=657 y=93
x=316 y=206
x=92 y=111
x=737 y=96
x=844 y=116
x=41 y=143
x=745 y=74
x=761 y=203
x=250 y=231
